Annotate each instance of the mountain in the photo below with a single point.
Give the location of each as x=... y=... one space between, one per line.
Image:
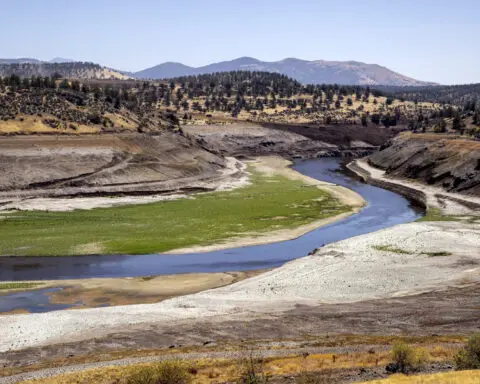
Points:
x=78 y=70
x=61 y=60
x=29 y=60
x=307 y=72
x=21 y=60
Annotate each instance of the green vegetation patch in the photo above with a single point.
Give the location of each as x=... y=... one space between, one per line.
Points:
x=8 y=286
x=435 y=214
x=391 y=248
x=437 y=254
x=158 y=227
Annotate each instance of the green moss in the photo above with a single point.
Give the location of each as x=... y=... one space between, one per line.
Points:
x=391 y=248
x=5 y=286
x=269 y=203
x=435 y=254
x=435 y=214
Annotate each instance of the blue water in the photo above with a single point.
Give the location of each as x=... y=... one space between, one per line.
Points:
x=35 y=301
x=384 y=209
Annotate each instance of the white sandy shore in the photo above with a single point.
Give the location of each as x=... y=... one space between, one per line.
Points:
x=402 y=260
x=351 y=270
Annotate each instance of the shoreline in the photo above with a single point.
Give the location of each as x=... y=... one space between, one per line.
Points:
x=405 y=260
x=429 y=196
x=274 y=165
x=89 y=292
x=280 y=166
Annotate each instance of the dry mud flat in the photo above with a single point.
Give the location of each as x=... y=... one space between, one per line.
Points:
x=133 y=290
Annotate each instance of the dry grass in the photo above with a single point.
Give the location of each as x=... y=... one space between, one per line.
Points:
x=436 y=353
x=275 y=114
x=208 y=371
x=34 y=124
x=462 y=377
x=120 y=121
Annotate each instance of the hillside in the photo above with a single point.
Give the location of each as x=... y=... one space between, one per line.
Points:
x=307 y=72
x=46 y=105
x=445 y=161
x=273 y=98
x=452 y=94
x=21 y=60
x=78 y=70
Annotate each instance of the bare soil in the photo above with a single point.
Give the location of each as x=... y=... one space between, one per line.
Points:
x=104 y=165
x=445 y=161
x=452 y=312
x=249 y=139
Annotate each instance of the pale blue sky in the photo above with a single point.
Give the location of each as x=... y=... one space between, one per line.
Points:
x=435 y=40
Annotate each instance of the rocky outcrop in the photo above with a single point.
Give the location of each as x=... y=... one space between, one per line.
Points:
x=447 y=162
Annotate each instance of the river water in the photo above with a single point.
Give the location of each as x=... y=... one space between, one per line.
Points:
x=384 y=209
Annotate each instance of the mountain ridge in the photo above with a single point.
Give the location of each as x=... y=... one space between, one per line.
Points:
x=306 y=71
x=67 y=69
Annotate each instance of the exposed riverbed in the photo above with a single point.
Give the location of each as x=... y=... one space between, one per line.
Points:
x=384 y=209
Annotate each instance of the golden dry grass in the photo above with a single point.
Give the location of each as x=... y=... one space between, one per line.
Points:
x=452 y=141
x=210 y=371
x=436 y=353
x=120 y=121
x=461 y=377
x=34 y=124
x=277 y=114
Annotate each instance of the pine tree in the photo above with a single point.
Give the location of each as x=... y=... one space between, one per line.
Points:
x=457 y=123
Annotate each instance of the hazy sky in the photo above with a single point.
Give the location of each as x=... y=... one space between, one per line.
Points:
x=434 y=40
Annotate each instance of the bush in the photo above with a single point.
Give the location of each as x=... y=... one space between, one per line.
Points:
x=469 y=356
x=166 y=372
x=253 y=372
x=323 y=377
x=407 y=359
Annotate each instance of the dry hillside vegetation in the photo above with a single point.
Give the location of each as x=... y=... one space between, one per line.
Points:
x=270 y=97
x=79 y=70
x=50 y=105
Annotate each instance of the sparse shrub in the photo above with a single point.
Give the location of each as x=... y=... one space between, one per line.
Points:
x=253 y=371
x=321 y=377
x=469 y=356
x=406 y=359
x=166 y=372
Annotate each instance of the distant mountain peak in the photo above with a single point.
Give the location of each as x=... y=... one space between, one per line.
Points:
x=61 y=60
x=314 y=72
x=245 y=60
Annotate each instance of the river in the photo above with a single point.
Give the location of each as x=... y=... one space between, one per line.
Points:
x=384 y=209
